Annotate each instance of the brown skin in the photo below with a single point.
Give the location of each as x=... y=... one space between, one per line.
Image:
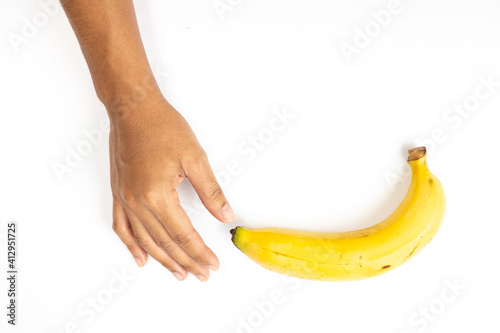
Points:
x=152 y=147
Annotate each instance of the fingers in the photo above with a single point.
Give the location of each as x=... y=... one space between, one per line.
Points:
x=148 y=243
x=121 y=226
x=154 y=223
x=178 y=239
x=153 y=235
x=182 y=232
x=205 y=184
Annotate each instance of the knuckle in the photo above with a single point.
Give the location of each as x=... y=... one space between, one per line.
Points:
x=149 y=197
x=214 y=192
x=202 y=158
x=144 y=242
x=183 y=239
x=202 y=153
x=197 y=160
x=167 y=245
x=172 y=199
x=129 y=198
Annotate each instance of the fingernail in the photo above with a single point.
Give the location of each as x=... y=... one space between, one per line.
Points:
x=212 y=267
x=227 y=213
x=138 y=261
x=202 y=278
x=178 y=276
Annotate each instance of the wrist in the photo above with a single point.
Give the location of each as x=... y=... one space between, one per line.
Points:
x=127 y=95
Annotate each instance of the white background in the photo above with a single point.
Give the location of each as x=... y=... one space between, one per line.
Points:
x=338 y=165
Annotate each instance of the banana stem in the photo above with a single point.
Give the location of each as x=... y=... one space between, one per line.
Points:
x=416 y=153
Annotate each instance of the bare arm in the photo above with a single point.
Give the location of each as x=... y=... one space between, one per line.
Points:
x=112 y=46
x=152 y=148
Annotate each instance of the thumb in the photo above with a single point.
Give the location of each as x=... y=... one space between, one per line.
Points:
x=208 y=189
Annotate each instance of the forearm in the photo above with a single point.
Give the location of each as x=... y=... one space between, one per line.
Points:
x=109 y=37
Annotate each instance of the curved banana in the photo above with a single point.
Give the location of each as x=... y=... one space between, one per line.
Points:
x=356 y=254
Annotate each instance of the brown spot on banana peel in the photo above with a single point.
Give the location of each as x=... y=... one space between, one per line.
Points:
x=408 y=256
x=386 y=266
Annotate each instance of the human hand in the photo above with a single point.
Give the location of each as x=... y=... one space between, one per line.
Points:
x=152 y=149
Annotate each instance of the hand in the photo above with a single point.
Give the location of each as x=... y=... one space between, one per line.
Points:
x=152 y=149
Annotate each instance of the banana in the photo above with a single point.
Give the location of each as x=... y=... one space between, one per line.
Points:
x=359 y=254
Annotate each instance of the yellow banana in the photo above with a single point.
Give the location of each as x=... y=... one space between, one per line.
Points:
x=356 y=254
